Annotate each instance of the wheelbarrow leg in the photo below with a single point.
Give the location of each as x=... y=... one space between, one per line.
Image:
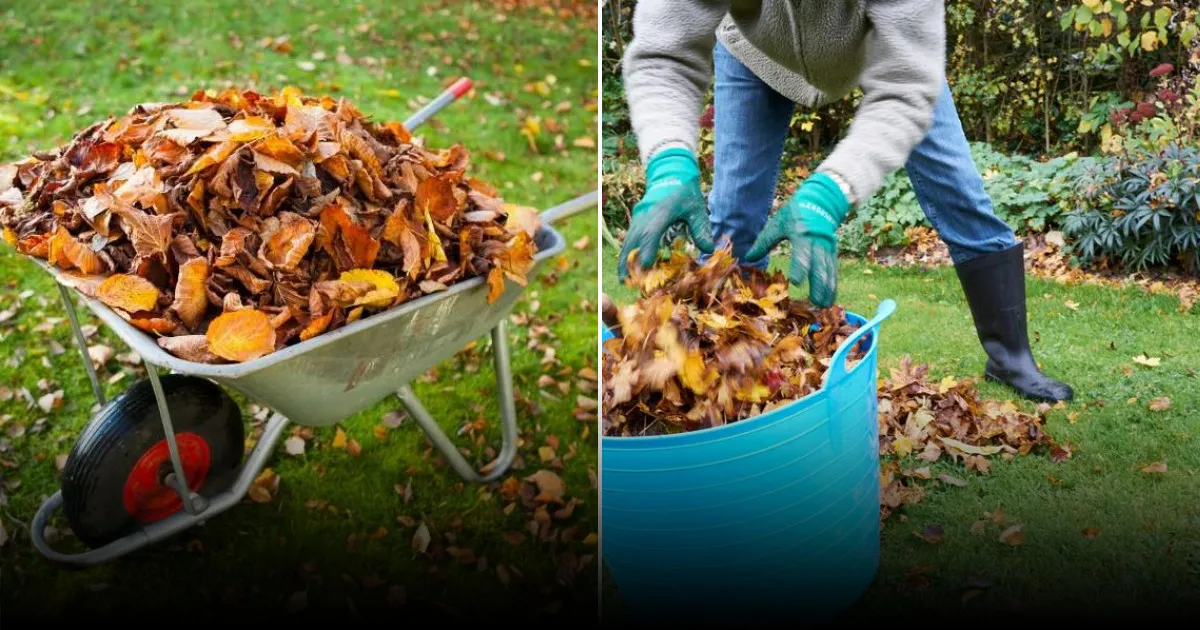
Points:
x=508 y=418
x=192 y=503
x=81 y=341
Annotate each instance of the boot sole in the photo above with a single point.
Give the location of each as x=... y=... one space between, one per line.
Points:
x=988 y=376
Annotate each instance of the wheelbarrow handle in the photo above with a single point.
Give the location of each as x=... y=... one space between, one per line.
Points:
x=451 y=94
x=571 y=208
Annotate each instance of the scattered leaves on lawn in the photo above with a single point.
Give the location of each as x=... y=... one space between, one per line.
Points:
x=1046 y=257
x=296 y=214
x=1156 y=468
x=704 y=346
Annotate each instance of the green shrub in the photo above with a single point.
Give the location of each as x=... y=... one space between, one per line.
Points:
x=1029 y=195
x=1140 y=209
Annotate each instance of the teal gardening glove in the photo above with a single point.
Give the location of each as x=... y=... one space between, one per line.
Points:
x=809 y=220
x=672 y=196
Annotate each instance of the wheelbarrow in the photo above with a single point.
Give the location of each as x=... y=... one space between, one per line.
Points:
x=169 y=452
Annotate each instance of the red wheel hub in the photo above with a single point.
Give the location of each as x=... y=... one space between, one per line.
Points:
x=148 y=497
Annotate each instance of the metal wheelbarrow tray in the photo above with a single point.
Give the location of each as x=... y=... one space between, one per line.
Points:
x=320 y=382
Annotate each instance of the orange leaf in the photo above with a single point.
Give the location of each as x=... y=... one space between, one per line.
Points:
x=495 y=282
x=36 y=245
x=214 y=156
x=191 y=300
x=241 y=336
x=435 y=197
x=289 y=244
x=69 y=253
x=10 y=237
x=132 y=294
x=155 y=325
x=316 y=326
x=282 y=149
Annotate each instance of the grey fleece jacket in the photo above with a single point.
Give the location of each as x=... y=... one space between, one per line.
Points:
x=811 y=51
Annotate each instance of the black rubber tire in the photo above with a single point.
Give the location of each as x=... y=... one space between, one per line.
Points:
x=94 y=477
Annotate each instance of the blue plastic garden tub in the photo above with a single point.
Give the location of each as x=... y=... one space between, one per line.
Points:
x=774 y=517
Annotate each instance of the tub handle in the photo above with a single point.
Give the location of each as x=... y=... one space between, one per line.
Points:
x=837 y=367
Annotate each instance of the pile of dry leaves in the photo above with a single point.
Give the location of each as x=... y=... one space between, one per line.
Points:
x=947 y=418
x=233 y=225
x=709 y=344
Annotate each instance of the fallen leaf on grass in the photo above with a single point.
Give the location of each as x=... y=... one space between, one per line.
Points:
x=952 y=480
x=339 y=438
x=931 y=534
x=1012 y=536
x=421 y=539
x=1142 y=359
x=1091 y=532
x=1162 y=403
x=294 y=445
x=1156 y=468
x=50 y=401
x=550 y=486
x=264 y=486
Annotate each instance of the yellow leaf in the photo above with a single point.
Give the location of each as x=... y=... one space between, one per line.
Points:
x=692 y=373
x=903 y=446
x=434 y=241
x=948 y=383
x=1106 y=27
x=967 y=448
x=339 y=439
x=1149 y=41
x=10 y=237
x=1147 y=361
x=385 y=285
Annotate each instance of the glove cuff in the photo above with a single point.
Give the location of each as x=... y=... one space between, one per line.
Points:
x=829 y=195
x=675 y=162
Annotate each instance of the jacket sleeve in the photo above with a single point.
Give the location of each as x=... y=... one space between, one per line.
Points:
x=667 y=68
x=904 y=74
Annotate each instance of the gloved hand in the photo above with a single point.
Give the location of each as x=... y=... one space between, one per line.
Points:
x=672 y=196
x=809 y=220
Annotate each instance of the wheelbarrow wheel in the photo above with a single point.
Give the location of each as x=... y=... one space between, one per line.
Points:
x=115 y=479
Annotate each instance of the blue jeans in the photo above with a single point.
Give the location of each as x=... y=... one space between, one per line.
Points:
x=749 y=126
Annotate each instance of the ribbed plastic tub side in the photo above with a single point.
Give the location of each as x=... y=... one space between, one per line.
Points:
x=772 y=517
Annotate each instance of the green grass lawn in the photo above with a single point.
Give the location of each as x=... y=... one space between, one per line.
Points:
x=335 y=543
x=1145 y=559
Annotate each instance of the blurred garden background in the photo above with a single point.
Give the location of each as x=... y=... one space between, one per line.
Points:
x=1083 y=119
x=362 y=521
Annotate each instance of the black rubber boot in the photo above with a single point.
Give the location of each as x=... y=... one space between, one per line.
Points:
x=995 y=288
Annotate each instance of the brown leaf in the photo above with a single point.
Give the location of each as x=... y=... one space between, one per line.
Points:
x=932 y=534
x=1162 y=403
x=549 y=485
x=1012 y=536
x=1156 y=468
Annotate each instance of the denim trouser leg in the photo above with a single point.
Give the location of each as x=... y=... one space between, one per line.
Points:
x=750 y=122
x=950 y=189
